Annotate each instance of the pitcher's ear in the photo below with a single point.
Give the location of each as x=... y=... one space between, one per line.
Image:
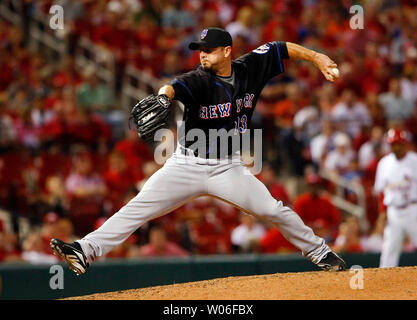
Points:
x=227 y=51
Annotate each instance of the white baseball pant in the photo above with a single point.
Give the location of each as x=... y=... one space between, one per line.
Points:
x=184 y=177
x=400 y=222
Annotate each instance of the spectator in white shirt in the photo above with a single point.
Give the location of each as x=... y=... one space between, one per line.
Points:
x=409 y=86
x=350 y=114
x=323 y=143
x=374 y=241
x=246 y=236
x=244 y=25
x=367 y=154
x=308 y=120
x=338 y=160
x=395 y=105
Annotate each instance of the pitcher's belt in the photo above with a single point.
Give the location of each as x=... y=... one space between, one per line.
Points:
x=194 y=153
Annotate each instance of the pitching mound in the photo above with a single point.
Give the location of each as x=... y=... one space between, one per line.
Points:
x=392 y=284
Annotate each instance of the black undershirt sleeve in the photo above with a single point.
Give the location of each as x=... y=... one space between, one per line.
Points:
x=282 y=46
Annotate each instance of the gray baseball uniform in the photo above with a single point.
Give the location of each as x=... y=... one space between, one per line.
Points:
x=184 y=177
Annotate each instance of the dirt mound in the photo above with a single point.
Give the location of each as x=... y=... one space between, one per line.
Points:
x=391 y=283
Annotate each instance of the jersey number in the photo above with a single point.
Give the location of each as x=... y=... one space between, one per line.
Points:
x=241 y=124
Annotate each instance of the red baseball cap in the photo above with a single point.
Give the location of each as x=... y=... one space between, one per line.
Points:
x=396 y=136
x=320 y=223
x=313 y=178
x=50 y=217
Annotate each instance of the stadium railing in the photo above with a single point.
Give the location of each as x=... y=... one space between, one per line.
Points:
x=10 y=10
x=338 y=199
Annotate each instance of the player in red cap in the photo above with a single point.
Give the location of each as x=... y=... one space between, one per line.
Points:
x=396 y=136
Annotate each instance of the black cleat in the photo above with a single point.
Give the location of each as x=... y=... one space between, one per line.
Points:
x=72 y=254
x=332 y=262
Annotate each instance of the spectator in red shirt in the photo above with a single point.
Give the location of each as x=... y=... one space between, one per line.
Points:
x=119 y=179
x=113 y=32
x=349 y=237
x=277 y=190
x=33 y=250
x=85 y=189
x=316 y=209
x=158 y=246
x=54 y=226
x=208 y=232
x=36 y=248
x=136 y=152
x=6 y=75
x=8 y=245
x=67 y=74
x=274 y=242
x=285 y=110
x=50 y=229
x=280 y=21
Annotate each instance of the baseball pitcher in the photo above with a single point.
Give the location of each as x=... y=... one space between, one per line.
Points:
x=219 y=95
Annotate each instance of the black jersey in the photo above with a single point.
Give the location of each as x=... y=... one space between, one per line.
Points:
x=210 y=102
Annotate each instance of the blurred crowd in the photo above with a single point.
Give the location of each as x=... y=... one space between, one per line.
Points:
x=66 y=168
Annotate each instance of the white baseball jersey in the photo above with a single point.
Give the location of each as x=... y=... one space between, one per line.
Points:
x=397 y=179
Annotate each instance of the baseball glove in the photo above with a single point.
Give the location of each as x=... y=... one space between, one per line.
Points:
x=150 y=114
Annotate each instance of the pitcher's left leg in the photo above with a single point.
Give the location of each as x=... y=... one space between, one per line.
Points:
x=239 y=187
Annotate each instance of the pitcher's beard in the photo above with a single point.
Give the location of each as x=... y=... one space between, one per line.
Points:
x=205 y=66
x=208 y=67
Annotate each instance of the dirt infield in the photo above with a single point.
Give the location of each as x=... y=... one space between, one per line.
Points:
x=392 y=284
